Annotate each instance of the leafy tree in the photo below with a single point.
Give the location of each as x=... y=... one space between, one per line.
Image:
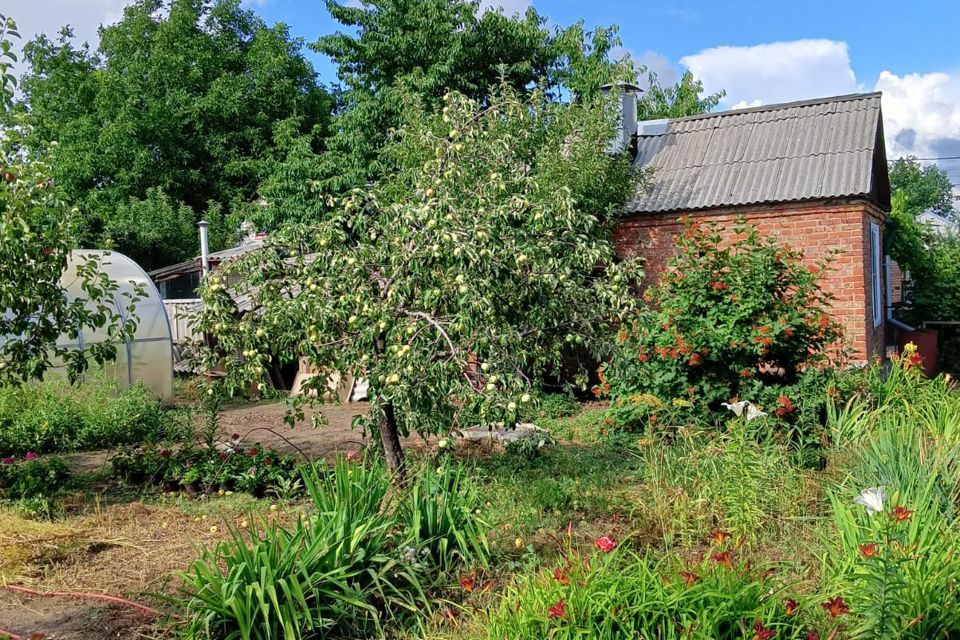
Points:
x=924 y=188
x=36 y=237
x=182 y=96
x=425 y=47
x=683 y=99
x=453 y=285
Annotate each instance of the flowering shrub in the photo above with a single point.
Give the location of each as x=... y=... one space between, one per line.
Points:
x=254 y=470
x=727 y=320
x=32 y=476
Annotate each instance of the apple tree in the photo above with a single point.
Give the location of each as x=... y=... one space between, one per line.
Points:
x=36 y=238
x=454 y=285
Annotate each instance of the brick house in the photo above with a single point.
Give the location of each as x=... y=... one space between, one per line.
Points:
x=812 y=174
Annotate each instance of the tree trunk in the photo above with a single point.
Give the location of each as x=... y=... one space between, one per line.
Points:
x=390 y=437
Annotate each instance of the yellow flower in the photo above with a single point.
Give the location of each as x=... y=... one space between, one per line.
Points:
x=213 y=529
x=518 y=543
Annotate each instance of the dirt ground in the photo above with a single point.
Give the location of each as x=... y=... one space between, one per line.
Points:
x=263 y=423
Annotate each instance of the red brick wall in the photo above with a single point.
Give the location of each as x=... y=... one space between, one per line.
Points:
x=815 y=228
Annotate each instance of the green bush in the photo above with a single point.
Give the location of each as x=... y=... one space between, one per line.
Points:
x=361 y=559
x=53 y=416
x=33 y=477
x=730 y=319
x=441 y=518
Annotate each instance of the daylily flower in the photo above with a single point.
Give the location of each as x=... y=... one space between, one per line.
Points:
x=468 y=583
x=791 y=606
x=719 y=537
x=689 y=578
x=557 y=611
x=812 y=635
x=560 y=575
x=762 y=633
x=30 y=456
x=605 y=544
x=868 y=550
x=836 y=607
x=725 y=558
x=872 y=499
x=899 y=514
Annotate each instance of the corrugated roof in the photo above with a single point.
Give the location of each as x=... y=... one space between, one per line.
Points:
x=824 y=148
x=193 y=264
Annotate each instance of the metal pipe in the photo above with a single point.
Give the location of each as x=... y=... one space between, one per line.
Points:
x=204 y=247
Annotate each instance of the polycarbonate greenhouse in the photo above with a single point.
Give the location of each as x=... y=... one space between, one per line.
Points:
x=147 y=357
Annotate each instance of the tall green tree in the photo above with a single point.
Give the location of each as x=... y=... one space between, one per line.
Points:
x=182 y=100
x=453 y=284
x=924 y=188
x=423 y=47
x=686 y=98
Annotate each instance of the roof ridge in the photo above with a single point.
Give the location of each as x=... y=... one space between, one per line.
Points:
x=849 y=97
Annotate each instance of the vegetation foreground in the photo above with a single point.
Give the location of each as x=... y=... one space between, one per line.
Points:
x=685 y=530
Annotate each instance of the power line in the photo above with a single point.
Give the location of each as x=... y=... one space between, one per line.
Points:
x=934 y=159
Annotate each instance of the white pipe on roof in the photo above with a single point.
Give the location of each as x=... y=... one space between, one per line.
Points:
x=204 y=247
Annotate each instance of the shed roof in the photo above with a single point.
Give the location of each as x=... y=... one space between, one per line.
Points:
x=814 y=149
x=194 y=264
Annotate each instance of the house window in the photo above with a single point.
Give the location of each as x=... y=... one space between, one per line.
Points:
x=875 y=265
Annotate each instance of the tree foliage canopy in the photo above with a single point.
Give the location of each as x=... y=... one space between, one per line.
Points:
x=454 y=284
x=924 y=188
x=181 y=101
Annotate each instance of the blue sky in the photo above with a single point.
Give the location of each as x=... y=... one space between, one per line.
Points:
x=760 y=52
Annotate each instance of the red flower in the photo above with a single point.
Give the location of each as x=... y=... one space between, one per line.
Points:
x=643 y=357
x=836 y=607
x=252 y=453
x=915 y=360
x=7 y=460
x=605 y=544
x=746 y=373
x=468 y=583
x=899 y=514
x=791 y=606
x=725 y=558
x=719 y=537
x=222 y=456
x=235 y=436
x=30 y=456
x=557 y=611
x=812 y=635
x=868 y=550
x=351 y=455
x=695 y=360
x=560 y=575
x=762 y=633
x=689 y=578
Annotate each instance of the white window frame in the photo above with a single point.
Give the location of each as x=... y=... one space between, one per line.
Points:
x=876 y=259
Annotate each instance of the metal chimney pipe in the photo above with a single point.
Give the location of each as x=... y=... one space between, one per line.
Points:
x=204 y=247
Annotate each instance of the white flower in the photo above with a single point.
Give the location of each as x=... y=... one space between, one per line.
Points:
x=443 y=443
x=753 y=412
x=872 y=499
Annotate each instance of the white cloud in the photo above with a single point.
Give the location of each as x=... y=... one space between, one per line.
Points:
x=921 y=113
x=775 y=72
x=509 y=7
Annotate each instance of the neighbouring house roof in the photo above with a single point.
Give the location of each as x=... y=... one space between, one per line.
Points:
x=814 y=149
x=194 y=264
x=939 y=224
